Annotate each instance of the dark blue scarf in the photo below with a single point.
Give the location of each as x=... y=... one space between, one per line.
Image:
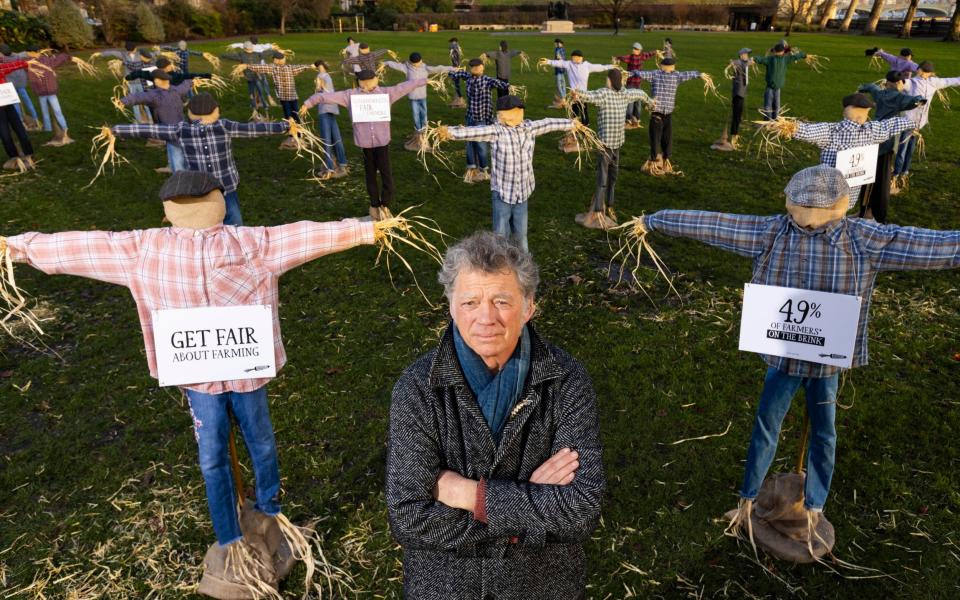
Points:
x=496 y=393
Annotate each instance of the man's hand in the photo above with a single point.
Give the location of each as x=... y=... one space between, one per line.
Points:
x=559 y=469
x=456 y=491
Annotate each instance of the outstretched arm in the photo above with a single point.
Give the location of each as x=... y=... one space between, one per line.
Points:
x=10 y=67
x=475 y=133
x=592 y=68
x=814 y=133
x=392 y=64
x=342 y=98
x=688 y=75
x=249 y=130
x=945 y=82
x=745 y=235
x=102 y=255
x=146 y=98
x=896 y=248
x=402 y=89
x=168 y=133
x=543 y=126
x=887 y=128
x=288 y=246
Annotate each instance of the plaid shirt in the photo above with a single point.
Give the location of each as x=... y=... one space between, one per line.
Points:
x=511 y=153
x=367 y=135
x=183 y=56
x=8 y=67
x=918 y=86
x=611 y=106
x=132 y=61
x=843 y=258
x=44 y=82
x=479 y=103
x=283 y=78
x=834 y=137
x=663 y=87
x=635 y=62
x=206 y=147
x=366 y=61
x=167 y=104
x=898 y=63
x=185 y=268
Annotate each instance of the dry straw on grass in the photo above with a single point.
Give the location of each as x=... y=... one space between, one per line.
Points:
x=943 y=95
x=519 y=91
x=633 y=245
x=119 y=91
x=105 y=142
x=438 y=83
x=524 y=62
x=392 y=234
x=13 y=305
x=877 y=63
x=38 y=68
x=433 y=135
x=308 y=143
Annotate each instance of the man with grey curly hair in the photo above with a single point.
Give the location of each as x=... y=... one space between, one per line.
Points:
x=494 y=469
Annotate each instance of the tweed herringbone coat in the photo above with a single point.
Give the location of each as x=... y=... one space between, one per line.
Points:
x=531 y=547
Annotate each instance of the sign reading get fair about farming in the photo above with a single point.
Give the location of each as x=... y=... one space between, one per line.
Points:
x=370 y=108
x=8 y=95
x=858 y=165
x=819 y=327
x=213 y=343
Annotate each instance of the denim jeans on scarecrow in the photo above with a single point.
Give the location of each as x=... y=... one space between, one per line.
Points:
x=332 y=140
x=778 y=391
x=561 y=85
x=211 y=422
x=905 y=148
x=478 y=153
x=419 y=107
x=26 y=102
x=48 y=103
x=771 y=103
x=510 y=220
x=175 y=158
x=232 y=215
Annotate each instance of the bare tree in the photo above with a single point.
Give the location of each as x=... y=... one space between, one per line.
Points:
x=616 y=8
x=875 y=13
x=286 y=7
x=953 y=34
x=794 y=8
x=829 y=11
x=851 y=11
x=908 y=19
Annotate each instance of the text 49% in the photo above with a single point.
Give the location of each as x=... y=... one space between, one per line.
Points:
x=798 y=313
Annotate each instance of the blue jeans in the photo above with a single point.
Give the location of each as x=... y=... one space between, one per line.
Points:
x=561 y=84
x=478 y=153
x=26 y=101
x=419 y=107
x=256 y=93
x=908 y=143
x=48 y=103
x=456 y=87
x=264 y=87
x=510 y=220
x=771 y=103
x=332 y=141
x=135 y=87
x=175 y=158
x=291 y=109
x=634 y=110
x=778 y=391
x=232 y=216
x=211 y=426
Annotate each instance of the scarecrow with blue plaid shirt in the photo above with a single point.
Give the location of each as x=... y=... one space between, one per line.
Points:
x=814 y=247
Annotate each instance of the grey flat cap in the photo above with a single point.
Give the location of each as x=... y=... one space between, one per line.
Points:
x=817 y=187
x=190 y=184
x=745 y=51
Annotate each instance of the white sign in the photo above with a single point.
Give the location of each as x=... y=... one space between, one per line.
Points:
x=858 y=165
x=819 y=327
x=213 y=343
x=370 y=108
x=8 y=94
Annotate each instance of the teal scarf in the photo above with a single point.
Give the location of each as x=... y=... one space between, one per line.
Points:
x=496 y=393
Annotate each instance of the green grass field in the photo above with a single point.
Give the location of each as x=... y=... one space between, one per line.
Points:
x=100 y=495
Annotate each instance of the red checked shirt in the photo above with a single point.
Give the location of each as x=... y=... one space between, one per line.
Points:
x=635 y=62
x=9 y=67
x=186 y=268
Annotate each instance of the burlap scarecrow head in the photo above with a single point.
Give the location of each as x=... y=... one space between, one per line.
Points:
x=856 y=107
x=161 y=79
x=817 y=196
x=668 y=65
x=510 y=110
x=193 y=200
x=203 y=107
x=368 y=80
x=476 y=67
x=576 y=57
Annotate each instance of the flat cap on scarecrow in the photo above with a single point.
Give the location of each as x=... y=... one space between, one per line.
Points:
x=202 y=104
x=858 y=100
x=926 y=66
x=158 y=74
x=817 y=187
x=668 y=61
x=189 y=184
x=475 y=62
x=365 y=75
x=895 y=76
x=510 y=102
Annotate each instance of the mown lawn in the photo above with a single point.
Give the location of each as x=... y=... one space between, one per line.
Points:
x=99 y=489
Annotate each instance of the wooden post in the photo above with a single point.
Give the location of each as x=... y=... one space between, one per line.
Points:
x=803 y=442
x=235 y=466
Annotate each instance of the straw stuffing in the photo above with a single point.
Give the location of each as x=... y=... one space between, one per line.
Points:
x=105 y=142
x=633 y=244
x=391 y=234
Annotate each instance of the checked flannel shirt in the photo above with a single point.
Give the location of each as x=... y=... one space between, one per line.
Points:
x=132 y=61
x=206 y=148
x=420 y=70
x=172 y=267
x=898 y=63
x=834 y=137
x=663 y=87
x=635 y=62
x=511 y=153
x=611 y=106
x=183 y=56
x=283 y=78
x=842 y=258
x=479 y=102
x=6 y=68
x=366 y=61
x=918 y=86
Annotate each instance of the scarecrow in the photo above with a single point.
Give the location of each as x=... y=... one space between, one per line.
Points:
x=890 y=101
x=611 y=103
x=512 y=141
x=578 y=73
x=207 y=143
x=503 y=58
x=352 y=50
x=366 y=59
x=812 y=247
x=415 y=69
x=183 y=54
x=928 y=85
x=166 y=101
x=173 y=268
x=776 y=75
x=19 y=80
x=479 y=112
x=663 y=87
x=257 y=88
x=170 y=68
x=456 y=57
x=854 y=131
x=739 y=74
x=904 y=62
x=45 y=84
x=286 y=87
x=133 y=59
x=634 y=62
x=371 y=133
x=668 y=49
x=559 y=53
x=19 y=159
x=329 y=129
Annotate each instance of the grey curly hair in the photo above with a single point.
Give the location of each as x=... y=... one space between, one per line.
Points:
x=488 y=252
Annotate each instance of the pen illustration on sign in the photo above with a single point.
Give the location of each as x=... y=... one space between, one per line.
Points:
x=257 y=368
